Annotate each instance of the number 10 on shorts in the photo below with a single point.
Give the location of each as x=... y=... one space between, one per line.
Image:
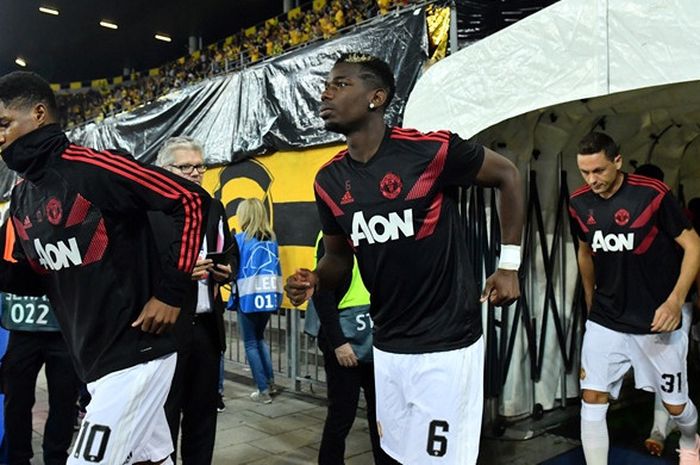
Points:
x=93 y=447
x=437 y=442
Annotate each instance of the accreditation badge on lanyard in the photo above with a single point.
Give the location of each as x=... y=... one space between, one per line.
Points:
x=24 y=313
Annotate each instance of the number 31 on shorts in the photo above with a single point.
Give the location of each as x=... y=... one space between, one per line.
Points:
x=437 y=442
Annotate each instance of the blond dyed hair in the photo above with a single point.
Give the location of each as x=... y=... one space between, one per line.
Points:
x=253 y=220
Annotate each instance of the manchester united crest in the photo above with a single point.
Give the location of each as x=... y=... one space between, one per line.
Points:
x=54 y=211
x=622 y=217
x=390 y=185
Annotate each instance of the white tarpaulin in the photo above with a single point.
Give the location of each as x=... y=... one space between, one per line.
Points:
x=532 y=90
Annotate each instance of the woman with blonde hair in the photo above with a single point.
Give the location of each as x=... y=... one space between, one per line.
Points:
x=259 y=290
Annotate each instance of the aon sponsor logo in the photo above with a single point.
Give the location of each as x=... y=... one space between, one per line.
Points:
x=381 y=229
x=59 y=255
x=612 y=242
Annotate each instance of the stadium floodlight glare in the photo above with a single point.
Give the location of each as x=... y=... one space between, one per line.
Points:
x=21 y=62
x=163 y=37
x=108 y=24
x=49 y=10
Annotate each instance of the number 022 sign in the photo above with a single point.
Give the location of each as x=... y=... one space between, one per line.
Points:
x=20 y=313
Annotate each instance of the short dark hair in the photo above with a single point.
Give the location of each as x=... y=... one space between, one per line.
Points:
x=374 y=70
x=650 y=170
x=26 y=89
x=595 y=142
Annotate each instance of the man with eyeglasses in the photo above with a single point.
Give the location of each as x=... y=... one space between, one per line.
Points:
x=193 y=399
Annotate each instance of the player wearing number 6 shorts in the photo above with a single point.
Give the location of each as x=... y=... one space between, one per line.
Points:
x=391 y=200
x=638 y=257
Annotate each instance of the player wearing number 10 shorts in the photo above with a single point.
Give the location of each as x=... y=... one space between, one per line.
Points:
x=84 y=240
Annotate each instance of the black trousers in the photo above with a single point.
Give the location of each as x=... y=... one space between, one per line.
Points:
x=26 y=353
x=343 y=395
x=191 y=403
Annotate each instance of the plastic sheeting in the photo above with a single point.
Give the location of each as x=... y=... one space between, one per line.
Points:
x=531 y=91
x=568 y=51
x=267 y=107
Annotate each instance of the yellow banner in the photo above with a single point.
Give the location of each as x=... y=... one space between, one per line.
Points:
x=228 y=40
x=272 y=21
x=284 y=182
x=294 y=13
x=55 y=87
x=118 y=80
x=154 y=71
x=438 y=19
x=250 y=32
x=319 y=4
x=75 y=85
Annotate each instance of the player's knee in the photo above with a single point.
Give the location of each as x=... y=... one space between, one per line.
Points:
x=674 y=410
x=594 y=397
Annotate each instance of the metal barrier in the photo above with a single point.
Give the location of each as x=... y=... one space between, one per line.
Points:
x=500 y=328
x=295 y=355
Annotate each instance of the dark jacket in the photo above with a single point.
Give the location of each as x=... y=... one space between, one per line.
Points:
x=163 y=227
x=85 y=241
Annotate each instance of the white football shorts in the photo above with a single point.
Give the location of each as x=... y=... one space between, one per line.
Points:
x=659 y=361
x=429 y=406
x=125 y=421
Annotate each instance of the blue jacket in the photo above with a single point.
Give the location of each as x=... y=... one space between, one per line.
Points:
x=259 y=275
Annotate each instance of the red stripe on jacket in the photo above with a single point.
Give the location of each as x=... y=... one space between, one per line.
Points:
x=157 y=183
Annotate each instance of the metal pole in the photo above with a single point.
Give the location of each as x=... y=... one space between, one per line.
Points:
x=454 y=40
x=531 y=274
x=562 y=284
x=293 y=348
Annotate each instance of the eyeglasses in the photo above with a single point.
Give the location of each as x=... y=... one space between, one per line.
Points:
x=188 y=169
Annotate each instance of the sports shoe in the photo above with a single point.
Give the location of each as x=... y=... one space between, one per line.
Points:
x=262 y=397
x=690 y=456
x=220 y=406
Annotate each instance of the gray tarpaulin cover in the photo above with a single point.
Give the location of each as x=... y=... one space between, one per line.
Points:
x=263 y=108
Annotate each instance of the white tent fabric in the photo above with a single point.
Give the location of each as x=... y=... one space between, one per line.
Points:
x=532 y=90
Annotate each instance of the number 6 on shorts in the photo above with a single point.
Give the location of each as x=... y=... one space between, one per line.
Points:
x=437 y=445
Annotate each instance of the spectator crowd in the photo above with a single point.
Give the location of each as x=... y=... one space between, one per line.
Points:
x=319 y=20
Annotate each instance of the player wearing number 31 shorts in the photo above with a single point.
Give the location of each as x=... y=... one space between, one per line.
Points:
x=638 y=257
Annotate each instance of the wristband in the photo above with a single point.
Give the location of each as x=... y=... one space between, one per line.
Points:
x=510 y=257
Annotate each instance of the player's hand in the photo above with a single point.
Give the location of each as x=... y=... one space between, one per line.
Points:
x=667 y=316
x=156 y=317
x=221 y=273
x=300 y=286
x=201 y=267
x=346 y=356
x=501 y=288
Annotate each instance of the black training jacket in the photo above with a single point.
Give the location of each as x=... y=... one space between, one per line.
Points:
x=80 y=219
